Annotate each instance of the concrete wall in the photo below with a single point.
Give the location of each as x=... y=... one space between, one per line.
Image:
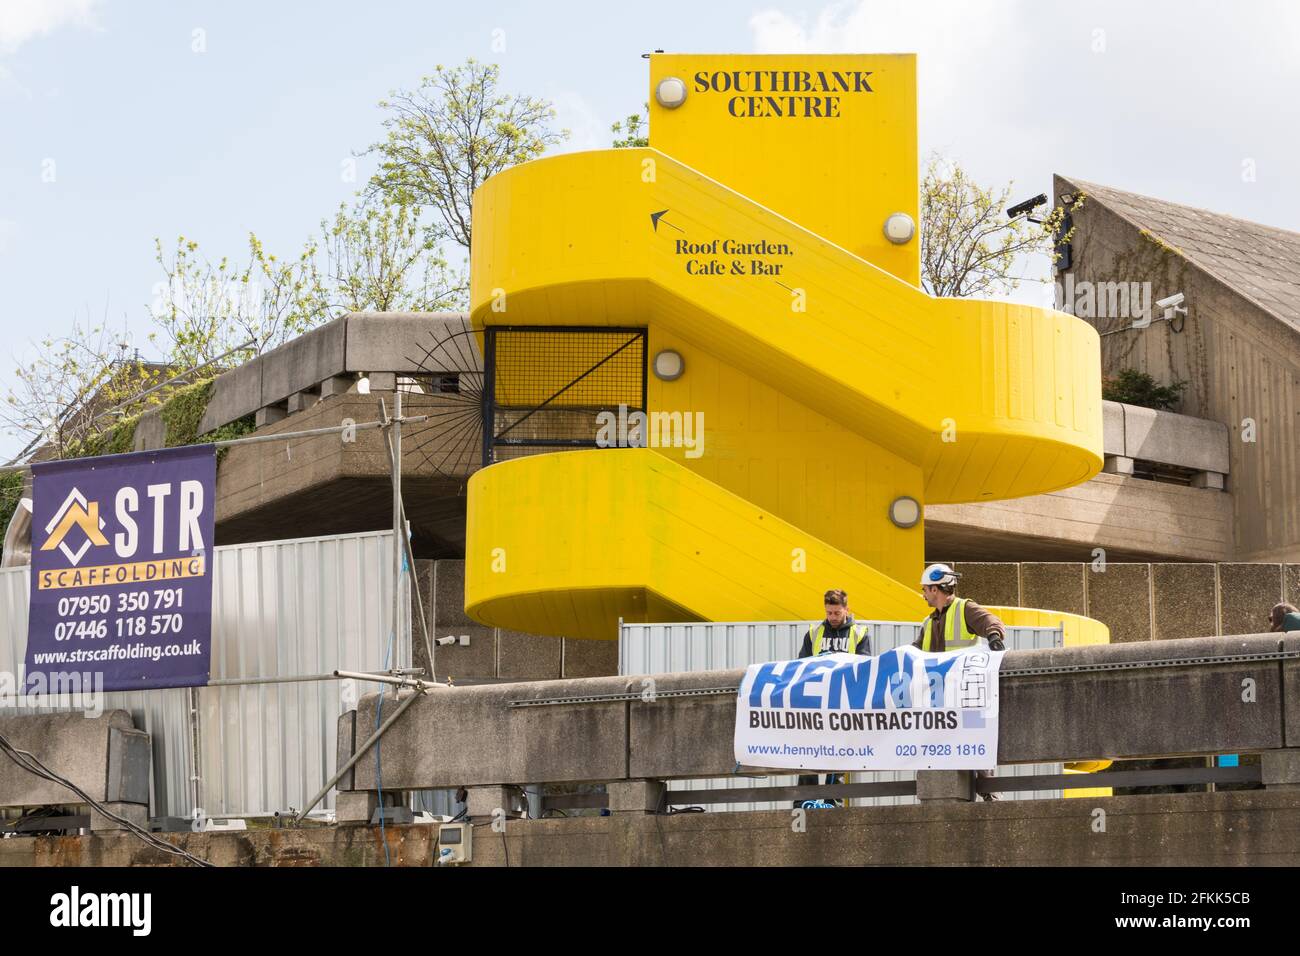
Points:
x=1253 y=828
x=325 y=485
x=1241 y=362
x=1139 y=601
x=1167 y=438
x=354 y=345
x=105 y=756
x=495 y=652
x=1132 y=518
x=1125 y=701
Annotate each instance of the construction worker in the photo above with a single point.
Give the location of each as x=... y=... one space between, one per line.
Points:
x=837 y=634
x=1284 y=617
x=956 y=623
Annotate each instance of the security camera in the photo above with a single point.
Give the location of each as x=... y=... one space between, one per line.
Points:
x=1029 y=205
x=1173 y=307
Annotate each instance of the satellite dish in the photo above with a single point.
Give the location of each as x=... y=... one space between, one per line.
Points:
x=18 y=537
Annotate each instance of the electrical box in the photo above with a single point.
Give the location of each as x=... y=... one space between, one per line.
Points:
x=455 y=842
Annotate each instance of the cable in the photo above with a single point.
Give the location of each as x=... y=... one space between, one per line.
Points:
x=379 y=776
x=503 y=843
x=40 y=813
x=408 y=557
x=663 y=846
x=379 y=712
x=33 y=765
x=379 y=768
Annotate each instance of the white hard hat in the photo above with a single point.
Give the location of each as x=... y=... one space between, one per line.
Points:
x=939 y=574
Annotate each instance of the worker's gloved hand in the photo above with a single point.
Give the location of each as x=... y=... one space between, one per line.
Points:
x=996 y=644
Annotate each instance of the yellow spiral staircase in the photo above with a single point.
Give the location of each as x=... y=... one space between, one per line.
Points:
x=829 y=384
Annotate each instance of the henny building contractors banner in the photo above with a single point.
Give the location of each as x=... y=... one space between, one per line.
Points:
x=904 y=710
x=121 y=578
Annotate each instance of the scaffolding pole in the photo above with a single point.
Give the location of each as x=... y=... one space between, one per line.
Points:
x=259 y=439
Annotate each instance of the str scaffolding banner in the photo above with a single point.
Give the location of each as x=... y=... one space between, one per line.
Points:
x=121 y=573
x=904 y=710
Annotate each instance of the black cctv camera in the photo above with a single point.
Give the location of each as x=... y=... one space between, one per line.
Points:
x=1020 y=208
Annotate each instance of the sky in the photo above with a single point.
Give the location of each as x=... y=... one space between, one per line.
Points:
x=126 y=120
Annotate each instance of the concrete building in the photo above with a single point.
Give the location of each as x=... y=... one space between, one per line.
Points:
x=1237 y=346
x=1161 y=496
x=1218 y=481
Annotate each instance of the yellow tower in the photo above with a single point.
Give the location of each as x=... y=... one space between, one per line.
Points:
x=749 y=285
x=827 y=141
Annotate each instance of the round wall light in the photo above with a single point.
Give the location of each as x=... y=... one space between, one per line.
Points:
x=669 y=365
x=899 y=228
x=905 y=511
x=670 y=92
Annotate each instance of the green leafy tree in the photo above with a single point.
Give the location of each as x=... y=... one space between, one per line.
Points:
x=204 y=309
x=378 y=257
x=1134 y=387
x=452 y=132
x=968 y=245
x=628 y=133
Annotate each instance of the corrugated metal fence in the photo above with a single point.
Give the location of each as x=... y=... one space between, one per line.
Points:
x=279 y=609
x=670 y=648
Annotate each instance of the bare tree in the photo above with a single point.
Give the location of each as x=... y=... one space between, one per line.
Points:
x=62 y=396
x=968 y=245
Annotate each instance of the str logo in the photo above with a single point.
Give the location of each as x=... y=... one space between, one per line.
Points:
x=75 y=512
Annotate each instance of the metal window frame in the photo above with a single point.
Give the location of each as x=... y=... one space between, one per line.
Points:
x=490 y=440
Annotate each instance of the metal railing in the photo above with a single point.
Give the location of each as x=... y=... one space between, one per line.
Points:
x=1158 y=777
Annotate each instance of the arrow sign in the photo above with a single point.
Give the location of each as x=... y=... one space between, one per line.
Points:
x=656 y=216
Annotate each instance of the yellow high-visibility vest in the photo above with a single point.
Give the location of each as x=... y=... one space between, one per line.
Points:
x=955 y=633
x=859 y=631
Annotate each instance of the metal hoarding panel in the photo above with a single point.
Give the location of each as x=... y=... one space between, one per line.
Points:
x=282 y=608
x=161 y=713
x=288 y=608
x=718 y=645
